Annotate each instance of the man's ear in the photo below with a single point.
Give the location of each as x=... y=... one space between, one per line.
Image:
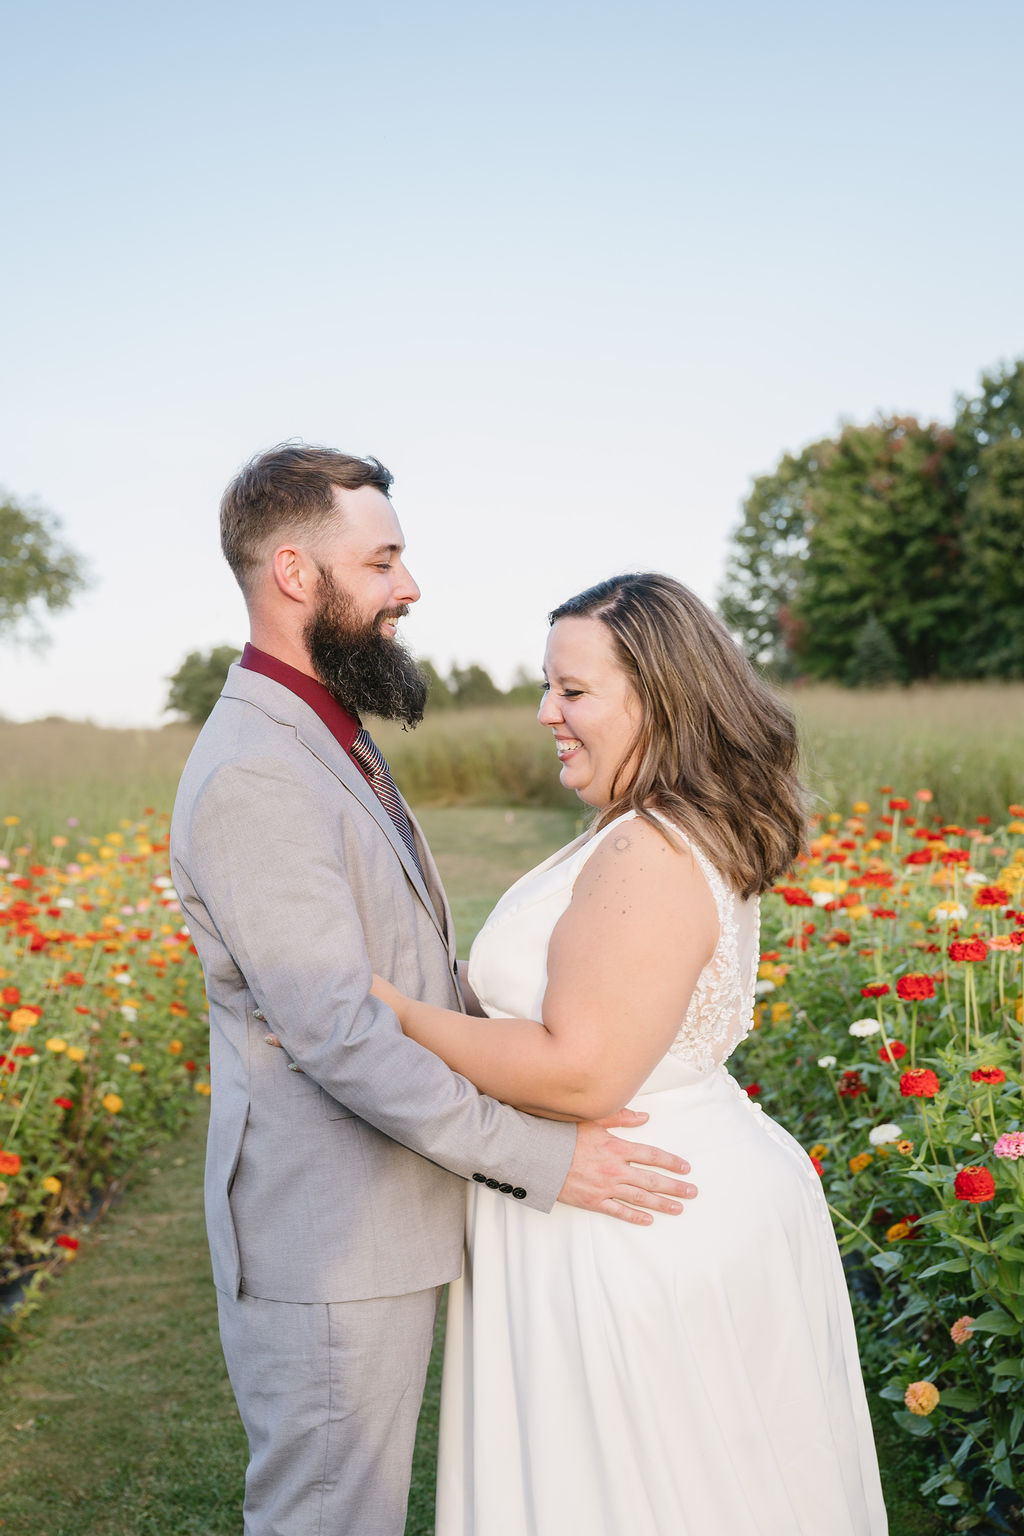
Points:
x=295 y=573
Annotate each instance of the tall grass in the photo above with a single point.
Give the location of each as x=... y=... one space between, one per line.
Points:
x=964 y=742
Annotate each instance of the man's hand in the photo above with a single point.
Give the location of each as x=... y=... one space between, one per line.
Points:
x=602 y=1176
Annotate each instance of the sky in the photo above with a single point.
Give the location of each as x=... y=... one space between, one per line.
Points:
x=576 y=272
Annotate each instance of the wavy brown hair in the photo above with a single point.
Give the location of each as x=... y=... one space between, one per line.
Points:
x=715 y=749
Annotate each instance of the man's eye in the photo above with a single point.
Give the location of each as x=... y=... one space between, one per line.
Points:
x=384 y=565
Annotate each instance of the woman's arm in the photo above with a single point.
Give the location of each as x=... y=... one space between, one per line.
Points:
x=622 y=963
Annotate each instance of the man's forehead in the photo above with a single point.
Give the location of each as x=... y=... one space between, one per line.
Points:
x=367 y=520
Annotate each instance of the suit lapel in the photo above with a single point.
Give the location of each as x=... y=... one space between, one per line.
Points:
x=281 y=704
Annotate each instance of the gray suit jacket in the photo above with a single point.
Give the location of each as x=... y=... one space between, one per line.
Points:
x=335 y=1165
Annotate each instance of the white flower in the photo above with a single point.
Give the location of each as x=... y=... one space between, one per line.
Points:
x=763 y=987
x=822 y=898
x=123 y=979
x=63 y=901
x=882 y=1134
x=864 y=1027
x=975 y=1137
x=949 y=912
x=125 y=1061
x=826 y=1061
x=163 y=881
x=129 y=1013
x=975 y=877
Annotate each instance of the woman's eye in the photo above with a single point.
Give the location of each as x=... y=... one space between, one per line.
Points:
x=571 y=693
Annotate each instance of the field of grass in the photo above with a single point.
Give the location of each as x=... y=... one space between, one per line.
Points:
x=964 y=742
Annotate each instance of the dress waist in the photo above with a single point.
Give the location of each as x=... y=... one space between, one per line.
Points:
x=673 y=1072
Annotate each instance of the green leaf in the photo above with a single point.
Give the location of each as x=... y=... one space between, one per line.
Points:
x=959 y=1397
x=886 y=1262
x=947 y=1267
x=995 y=1321
x=1008 y=1368
x=913 y=1423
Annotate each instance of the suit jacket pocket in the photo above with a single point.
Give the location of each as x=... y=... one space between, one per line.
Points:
x=332 y=1109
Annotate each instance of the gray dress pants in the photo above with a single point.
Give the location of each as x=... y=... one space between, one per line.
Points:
x=329 y=1394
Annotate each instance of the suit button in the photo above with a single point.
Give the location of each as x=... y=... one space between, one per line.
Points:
x=519 y=1194
x=258 y=1013
x=293 y=1066
x=506 y=1189
x=479 y=1177
x=491 y=1183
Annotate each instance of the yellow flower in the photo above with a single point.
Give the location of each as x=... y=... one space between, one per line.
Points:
x=896 y=1231
x=175 y=1047
x=137 y=1066
x=861 y=807
x=1016 y=826
x=113 y=1103
x=12 y=821
x=75 y=1053
x=56 y=1045
x=860 y=910
x=860 y=1162
x=22 y=1018
x=204 y=1089
x=51 y=1185
x=819 y=1150
x=922 y=1397
x=780 y=1013
x=905 y=1146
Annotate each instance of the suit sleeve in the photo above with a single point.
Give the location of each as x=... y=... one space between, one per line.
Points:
x=267 y=885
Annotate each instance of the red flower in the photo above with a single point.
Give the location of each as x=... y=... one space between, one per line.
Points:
x=190 y=1066
x=837 y=936
x=818 y=1166
x=920 y=1083
x=892 y=1052
x=10 y=1162
x=919 y=856
x=11 y=995
x=955 y=856
x=992 y=1075
x=70 y=1243
x=64 y=1103
x=899 y=805
x=771 y=954
x=954 y=831
x=753 y=1089
x=793 y=896
x=882 y=912
x=852 y=1085
x=992 y=896
x=23 y=1050
x=875 y=989
x=975 y=1184
x=74 y=979
x=968 y=949
x=915 y=988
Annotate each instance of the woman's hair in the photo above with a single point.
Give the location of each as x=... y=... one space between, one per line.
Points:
x=715 y=749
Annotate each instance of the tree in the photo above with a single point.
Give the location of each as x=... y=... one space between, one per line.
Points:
x=993 y=570
x=874 y=660
x=472 y=687
x=439 y=695
x=195 y=687
x=762 y=576
x=37 y=570
x=525 y=689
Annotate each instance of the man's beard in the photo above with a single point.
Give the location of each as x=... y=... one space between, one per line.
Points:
x=367 y=672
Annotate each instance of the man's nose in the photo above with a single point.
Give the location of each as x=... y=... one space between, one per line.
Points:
x=406 y=590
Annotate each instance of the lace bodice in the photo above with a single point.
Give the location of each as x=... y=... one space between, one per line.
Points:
x=508 y=961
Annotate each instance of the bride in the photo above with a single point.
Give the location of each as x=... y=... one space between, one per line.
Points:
x=697 y=1376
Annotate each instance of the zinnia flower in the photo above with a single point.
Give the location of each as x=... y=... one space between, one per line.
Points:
x=860 y=1162
x=864 y=1027
x=922 y=1397
x=112 y=1103
x=1010 y=1144
x=896 y=1232
x=881 y=1134
x=975 y=1184
x=968 y=949
x=992 y=896
x=905 y=1146
x=875 y=989
x=826 y=1061
x=915 y=988
x=892 y=1052
x=991 y=1075
x=752 y=1089
x=10 y=1162
x=70 y=1244
x=852 y=1085
x=961 y=1330
x=51 y=1185
x=920 y=1083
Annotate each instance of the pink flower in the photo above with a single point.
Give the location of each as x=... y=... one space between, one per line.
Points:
x=1010 y=1144
x=961 y=1330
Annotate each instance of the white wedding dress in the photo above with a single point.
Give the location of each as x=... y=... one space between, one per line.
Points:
x=698 y=1377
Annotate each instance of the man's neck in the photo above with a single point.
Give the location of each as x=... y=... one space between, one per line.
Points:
x=285 y=647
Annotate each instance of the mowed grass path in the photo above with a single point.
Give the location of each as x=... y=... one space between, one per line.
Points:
x=116 y=1418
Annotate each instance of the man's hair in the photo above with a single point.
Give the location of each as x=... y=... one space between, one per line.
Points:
x=716 y=749
x=287 y=492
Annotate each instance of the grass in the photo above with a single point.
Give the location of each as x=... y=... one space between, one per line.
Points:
x=965 y=742
x=116 y=1418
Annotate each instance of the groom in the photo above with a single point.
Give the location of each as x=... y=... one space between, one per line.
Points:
x=338 y=1148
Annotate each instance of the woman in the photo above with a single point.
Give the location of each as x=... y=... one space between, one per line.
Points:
x=699 y=1377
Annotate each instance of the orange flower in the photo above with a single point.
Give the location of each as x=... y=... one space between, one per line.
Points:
x=922 y=1397
x=10 y=1162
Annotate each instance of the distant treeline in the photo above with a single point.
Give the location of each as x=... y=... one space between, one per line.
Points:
x=472 y=687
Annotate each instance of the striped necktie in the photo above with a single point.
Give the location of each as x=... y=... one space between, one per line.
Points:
x=370 y=758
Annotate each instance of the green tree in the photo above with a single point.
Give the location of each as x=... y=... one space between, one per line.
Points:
x=993 y=550
x=37 y=570
x=525 y=689
x=472 y=687
x=195 y=687
x=439 y=695
x=884 y=542
x=762 y=576
x=874 y=660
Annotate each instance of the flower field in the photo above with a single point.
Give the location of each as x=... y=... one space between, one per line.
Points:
x=888 y=1038
x=103 y=1037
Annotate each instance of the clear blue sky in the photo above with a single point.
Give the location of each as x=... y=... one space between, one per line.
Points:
x=575 y=271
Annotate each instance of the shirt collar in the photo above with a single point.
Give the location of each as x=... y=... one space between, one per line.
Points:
x=342 y=725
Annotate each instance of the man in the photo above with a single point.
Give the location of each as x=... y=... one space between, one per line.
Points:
x=338 y=1147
